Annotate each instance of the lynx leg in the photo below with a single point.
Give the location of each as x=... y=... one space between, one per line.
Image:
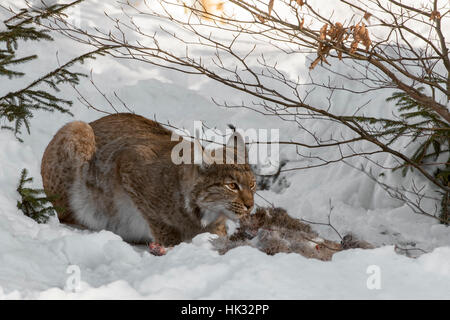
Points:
x=165 y=235
x=219 y=229
x=71 y=147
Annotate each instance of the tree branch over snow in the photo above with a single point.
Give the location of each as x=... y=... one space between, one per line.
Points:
x=388 y=47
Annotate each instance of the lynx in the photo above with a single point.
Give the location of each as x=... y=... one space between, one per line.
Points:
x=116 y=174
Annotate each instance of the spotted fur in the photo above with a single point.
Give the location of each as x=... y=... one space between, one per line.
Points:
x=116 y=174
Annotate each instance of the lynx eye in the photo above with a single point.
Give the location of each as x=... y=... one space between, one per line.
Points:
x=232 y=186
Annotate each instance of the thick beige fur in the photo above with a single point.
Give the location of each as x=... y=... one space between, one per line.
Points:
x=116 y=173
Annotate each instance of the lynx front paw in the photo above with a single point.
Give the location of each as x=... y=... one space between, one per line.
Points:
x=156 y=249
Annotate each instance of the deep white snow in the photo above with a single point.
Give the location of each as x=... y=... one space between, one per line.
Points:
x=35 y=259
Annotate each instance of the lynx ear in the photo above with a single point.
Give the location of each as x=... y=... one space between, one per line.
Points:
x=235 y=140
x=236 y=151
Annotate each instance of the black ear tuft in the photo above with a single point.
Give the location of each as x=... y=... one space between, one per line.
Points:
x=236 y=144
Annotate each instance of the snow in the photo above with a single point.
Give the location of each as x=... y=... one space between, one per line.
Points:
x=111 y=268
x=34 y=259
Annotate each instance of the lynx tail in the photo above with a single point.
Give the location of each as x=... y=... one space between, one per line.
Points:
x=71 y=147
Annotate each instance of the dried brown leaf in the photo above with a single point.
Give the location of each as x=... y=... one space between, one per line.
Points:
x=271 y=6
x=314 y=63
x=300 y=2
x=367 y=16
x=337 y=32
x=220 y=6
x=323 y=32
x=366 y=40
x=261 y=18
x=208 y=10
x=301 y=23
x=360 y=34
x=435 y=15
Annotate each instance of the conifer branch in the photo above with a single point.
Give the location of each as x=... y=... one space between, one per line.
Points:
x=33 y=202
x=17 y=106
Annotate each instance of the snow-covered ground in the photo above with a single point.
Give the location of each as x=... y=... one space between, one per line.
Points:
x=35 y=259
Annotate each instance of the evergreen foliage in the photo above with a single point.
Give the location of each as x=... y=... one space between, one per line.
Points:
x=17 y=107
x=33 y=202
x=421 y=122
x=416 y=121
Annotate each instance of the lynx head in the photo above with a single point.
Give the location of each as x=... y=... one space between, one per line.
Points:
x=224 y=184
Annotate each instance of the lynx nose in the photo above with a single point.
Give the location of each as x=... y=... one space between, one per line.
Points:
x=248 y=205
x=247 y=199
